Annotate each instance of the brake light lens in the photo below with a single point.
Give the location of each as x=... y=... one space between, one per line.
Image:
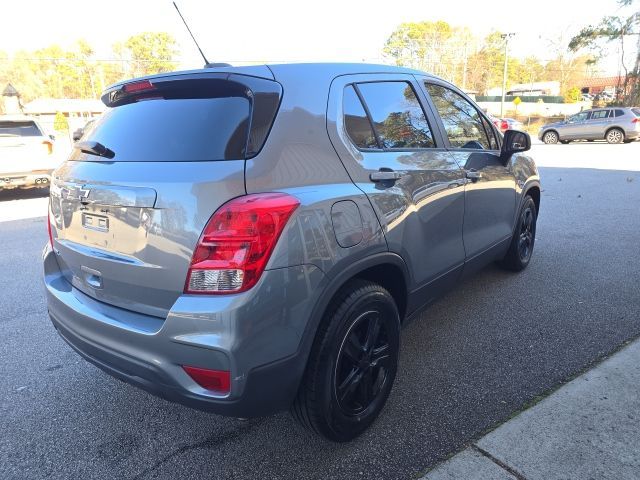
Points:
x=635 y=120
x=218 y=381
x=504 y=125
x=138 y=86
x=236 y=244
x=49 y=226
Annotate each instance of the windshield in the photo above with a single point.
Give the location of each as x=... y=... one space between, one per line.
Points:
x=19 y=129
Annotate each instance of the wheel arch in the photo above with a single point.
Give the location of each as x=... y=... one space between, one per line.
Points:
x=386 y=268
x=534 y=192
x=552 y=130
x=615 y=127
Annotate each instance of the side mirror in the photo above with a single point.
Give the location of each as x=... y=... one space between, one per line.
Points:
x=514 y=141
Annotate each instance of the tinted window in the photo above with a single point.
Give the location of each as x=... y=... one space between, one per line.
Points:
x=599 y=115
x=462 y=122
x=579 y=117
x=397 y=115
x=176 y=129
x=356 y=121
x=493 y=142
x=19 y=129
x=619 y=113
x=636 y=111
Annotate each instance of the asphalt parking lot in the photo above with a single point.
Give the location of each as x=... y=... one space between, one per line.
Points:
x=486 y=350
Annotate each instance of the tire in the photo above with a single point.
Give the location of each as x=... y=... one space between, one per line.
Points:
x=550 y=137
x=615 y=135
x=590 y=140
x=352 y=365
x=524 y=237
x=565 y=142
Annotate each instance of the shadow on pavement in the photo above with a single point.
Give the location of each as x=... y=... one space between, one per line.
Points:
x=23 y=194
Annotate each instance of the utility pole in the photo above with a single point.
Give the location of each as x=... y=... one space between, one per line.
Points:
x=505 y=37
x=464 y=69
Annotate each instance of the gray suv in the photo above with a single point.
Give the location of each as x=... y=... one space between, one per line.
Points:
x=249 y=240
x=615 y=125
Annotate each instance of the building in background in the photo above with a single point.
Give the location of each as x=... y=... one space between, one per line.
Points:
x=531 y=89
x=598 y=85
x=10 y=101
x=77 y=111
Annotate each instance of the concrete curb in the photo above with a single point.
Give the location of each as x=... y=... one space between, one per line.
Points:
x=588 y=428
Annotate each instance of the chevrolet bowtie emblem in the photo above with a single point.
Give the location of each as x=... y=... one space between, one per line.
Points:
x=76 y=193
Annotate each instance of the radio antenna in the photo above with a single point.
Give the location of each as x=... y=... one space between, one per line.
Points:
x=206 y=62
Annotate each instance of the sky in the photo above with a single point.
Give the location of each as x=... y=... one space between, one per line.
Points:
x=253 y=31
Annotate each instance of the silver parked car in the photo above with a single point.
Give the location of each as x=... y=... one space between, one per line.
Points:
x=249 y=240
x=614 y=124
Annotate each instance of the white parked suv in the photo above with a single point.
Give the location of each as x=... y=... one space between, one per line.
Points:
x=26 y=153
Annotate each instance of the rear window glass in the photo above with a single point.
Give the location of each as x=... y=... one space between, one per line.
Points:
x=356 y=121
x=176 y=129
x=19 y=129
x=636 y=111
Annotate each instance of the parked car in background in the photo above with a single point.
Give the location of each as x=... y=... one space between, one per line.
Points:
x=247 y=240
x=26 y=153
x=78 y=132
x=504 y=124
x=510 y=124
x=615 y=125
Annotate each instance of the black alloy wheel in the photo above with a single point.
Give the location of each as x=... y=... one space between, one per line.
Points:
x=363 y=360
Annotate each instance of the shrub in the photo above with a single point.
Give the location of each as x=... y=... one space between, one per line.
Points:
x=60 y=122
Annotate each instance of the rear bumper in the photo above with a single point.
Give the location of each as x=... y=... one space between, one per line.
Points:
x=632 y=134
x=244 y=333
x=41 y=178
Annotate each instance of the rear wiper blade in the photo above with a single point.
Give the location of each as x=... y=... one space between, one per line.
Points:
x=95 y=148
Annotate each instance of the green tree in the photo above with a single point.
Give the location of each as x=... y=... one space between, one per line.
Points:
x=60 y=122
x=572 y=95
x=149 y=53
x=615 y=28
x=436 y=47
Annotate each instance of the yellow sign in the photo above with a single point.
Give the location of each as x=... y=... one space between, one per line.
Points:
x=517 y=101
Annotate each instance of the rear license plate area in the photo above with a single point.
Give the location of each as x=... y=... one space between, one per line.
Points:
x=95 y=222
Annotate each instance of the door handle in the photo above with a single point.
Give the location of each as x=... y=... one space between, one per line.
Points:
x=473 y=175
x=387 y=175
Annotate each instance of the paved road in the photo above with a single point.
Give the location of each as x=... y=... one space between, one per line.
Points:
x=472 y=360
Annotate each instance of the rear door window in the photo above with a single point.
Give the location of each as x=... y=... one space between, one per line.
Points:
x=619 y=113
x=19 y=129
x=462 y=122
x=599 y=115
x=356 y=120
x=397 y=115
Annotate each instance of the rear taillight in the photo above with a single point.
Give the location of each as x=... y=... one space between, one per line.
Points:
x=237 y=242
x=635 y=120
x=136 y=87
x=504 y=125
x=49 y=146
x=49 y=226
x=218 y=381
